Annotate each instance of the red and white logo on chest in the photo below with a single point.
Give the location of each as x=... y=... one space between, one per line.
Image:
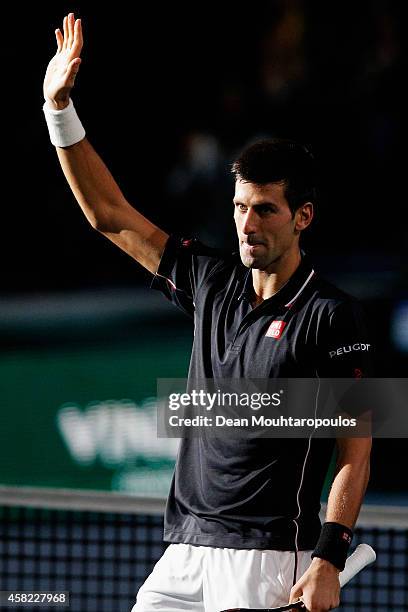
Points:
x=275 y=329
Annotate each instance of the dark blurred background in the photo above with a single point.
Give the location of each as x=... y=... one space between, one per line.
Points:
x=168 y=95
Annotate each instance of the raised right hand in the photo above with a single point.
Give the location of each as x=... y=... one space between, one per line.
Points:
x=63 y=68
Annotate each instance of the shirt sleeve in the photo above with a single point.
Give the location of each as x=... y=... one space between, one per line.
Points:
x=184 y=266
x=346 y=361
x=345 y=349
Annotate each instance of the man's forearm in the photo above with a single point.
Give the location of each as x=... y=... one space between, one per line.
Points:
x=106 y=208
x=92 y=184
x=350 y=482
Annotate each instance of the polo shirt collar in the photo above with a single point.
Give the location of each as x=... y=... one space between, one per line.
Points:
x=291 y=290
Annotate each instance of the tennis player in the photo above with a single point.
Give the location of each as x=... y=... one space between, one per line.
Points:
x=242 y=515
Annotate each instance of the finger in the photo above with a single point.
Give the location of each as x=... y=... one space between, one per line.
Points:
x=78 y=31
x=71 y=21
x=65 y=29
x=72 y=71
x=78 y=40
x=59 y=38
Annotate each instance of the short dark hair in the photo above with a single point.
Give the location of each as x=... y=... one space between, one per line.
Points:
x=275 y=160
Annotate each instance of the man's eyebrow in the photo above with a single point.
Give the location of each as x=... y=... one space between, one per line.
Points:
x=265 y=203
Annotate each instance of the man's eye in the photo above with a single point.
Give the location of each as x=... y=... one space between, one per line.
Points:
x=265 y=209
x=242 y=207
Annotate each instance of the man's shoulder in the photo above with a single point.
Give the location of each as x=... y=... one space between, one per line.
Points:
x=223 y=261
x=195 y=247
x=329 y=298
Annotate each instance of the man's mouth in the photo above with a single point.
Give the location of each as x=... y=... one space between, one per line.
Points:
x=252 y=243
x=251 y=247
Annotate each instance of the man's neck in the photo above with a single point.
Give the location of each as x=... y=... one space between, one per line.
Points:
x=268 y=282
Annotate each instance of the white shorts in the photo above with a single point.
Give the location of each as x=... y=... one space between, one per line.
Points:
x=206 y=579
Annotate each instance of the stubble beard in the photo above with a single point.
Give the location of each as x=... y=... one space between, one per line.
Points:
x=254 y=262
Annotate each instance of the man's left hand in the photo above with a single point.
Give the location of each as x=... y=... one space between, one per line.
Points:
x=319 y=587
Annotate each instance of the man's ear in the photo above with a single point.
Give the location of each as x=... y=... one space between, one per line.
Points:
x=303 y=216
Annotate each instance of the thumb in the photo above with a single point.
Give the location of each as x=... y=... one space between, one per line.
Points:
x=295 y=594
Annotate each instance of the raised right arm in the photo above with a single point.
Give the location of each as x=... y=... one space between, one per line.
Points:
x=93 y=186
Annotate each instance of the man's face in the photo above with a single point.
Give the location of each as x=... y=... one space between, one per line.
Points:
x=265 y=227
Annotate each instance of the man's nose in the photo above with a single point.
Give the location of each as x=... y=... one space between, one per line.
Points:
x=250 y=222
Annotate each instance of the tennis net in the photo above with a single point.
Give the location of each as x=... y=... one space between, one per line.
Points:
x=100 y=548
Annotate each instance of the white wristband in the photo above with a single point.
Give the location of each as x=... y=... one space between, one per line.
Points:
x=64 y=125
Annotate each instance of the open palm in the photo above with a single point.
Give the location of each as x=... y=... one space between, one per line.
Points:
x=63 y=68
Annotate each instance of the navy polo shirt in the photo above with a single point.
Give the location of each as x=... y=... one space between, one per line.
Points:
x=255 y=493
